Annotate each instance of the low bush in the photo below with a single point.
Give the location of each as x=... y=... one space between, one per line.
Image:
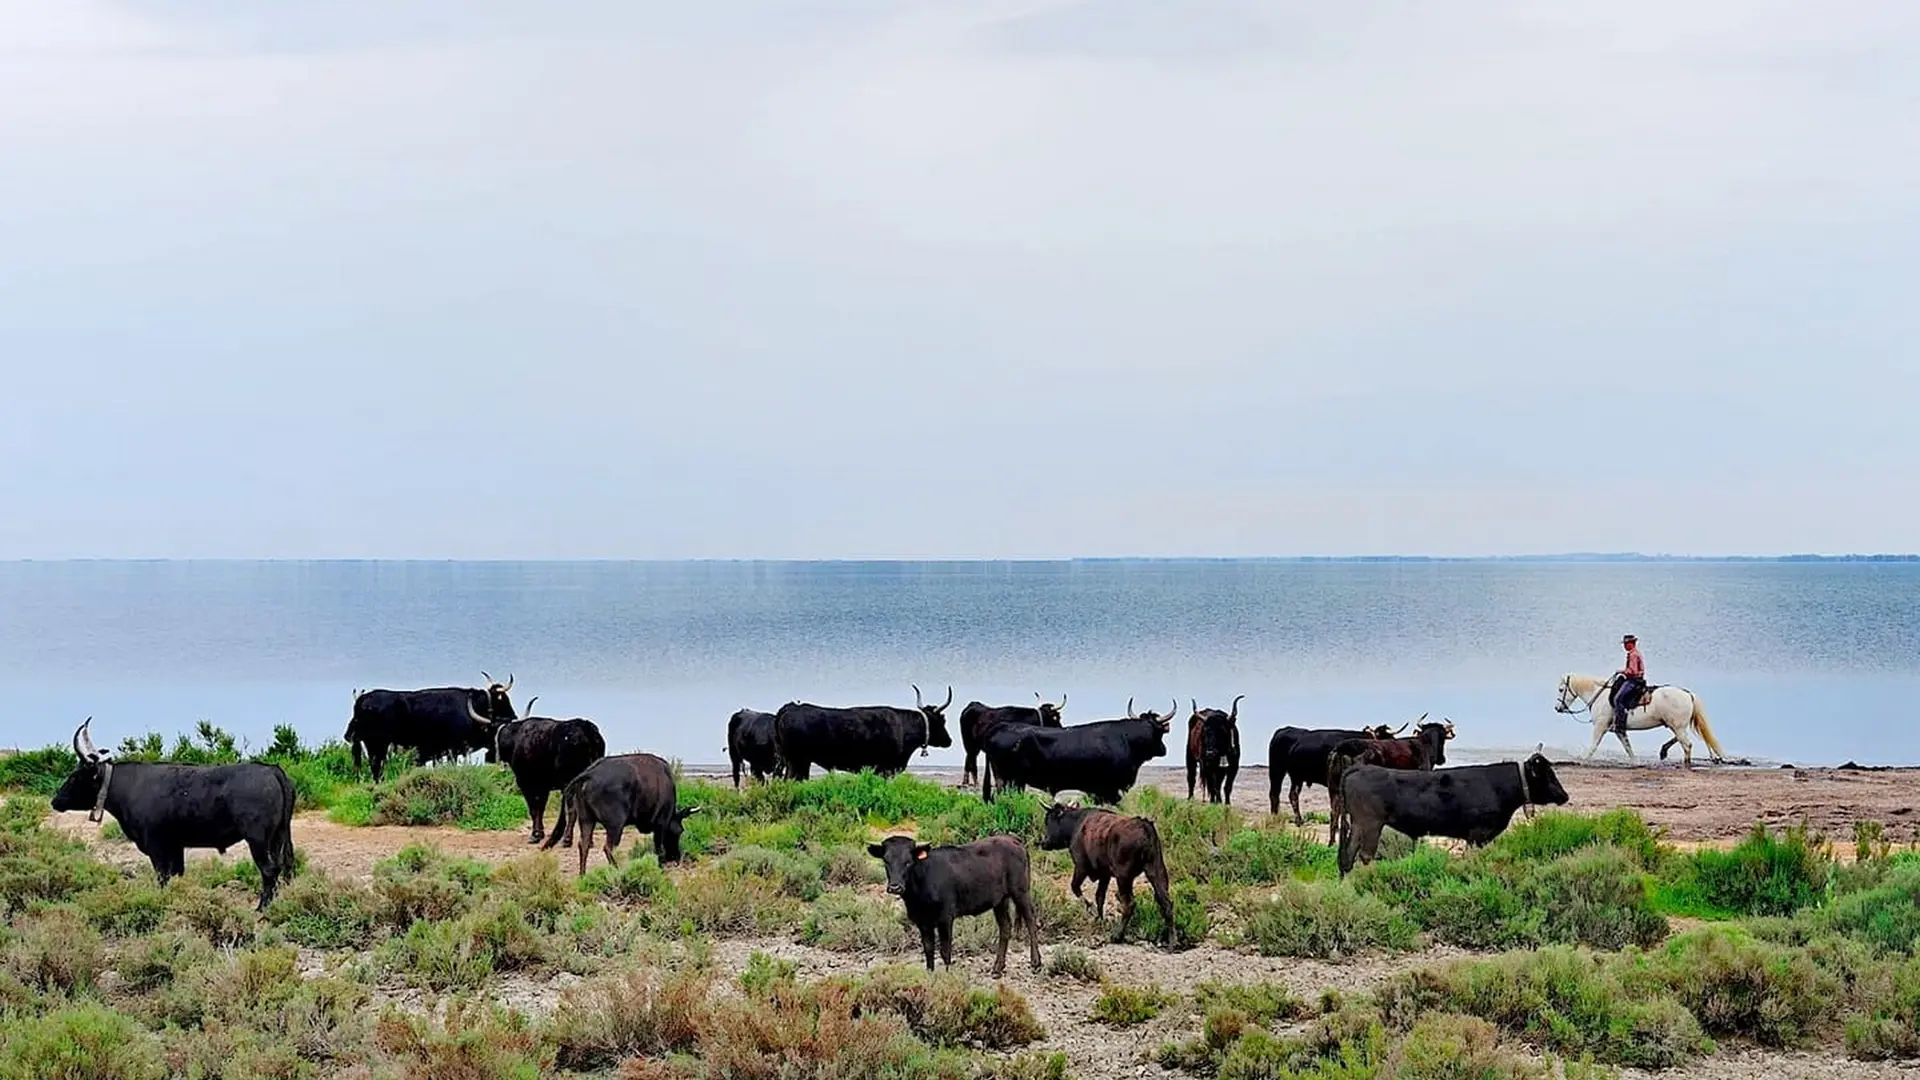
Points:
x=1570 y=1001
x=478 y=797
x=37 y=772
x=1120 y=1005
x=943 y=1010
x=638 y=879
x=1069 y=962
x=1736 y=985
x=464 y=953
x=1260 y=1002
x=648 y=1011
x=1325 y=920
x=848 y=922
x=1558 y=833
x=1885 y=916
x=422 y=882
x=85 y=1041
x=1594 y=894
x=1887 y=1027
x=39 y=865
x=816 y=1032
x=224 y=916
x=55 y=951
x=716 y=901
x=125 y=907
x=1191 y=921
x=794 y=875
x=1445 y=1047
x=471 y=1042
x=324 y=912
x=1764 y=874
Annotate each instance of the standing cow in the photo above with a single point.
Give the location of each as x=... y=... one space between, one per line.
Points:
x=165 y=809
x=976 y=717
x=941 y=884
x=1213 y=750
x=440 y=722
x=877 y=737
x=1106 y=846
x=1300 y=755
x=544 y=755
x=626 y=790
x=1419 y=752
x=750 y=742
x=1101 y=759
x=1474 y=803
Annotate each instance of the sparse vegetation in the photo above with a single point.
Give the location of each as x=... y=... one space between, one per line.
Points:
x=1124 y=1006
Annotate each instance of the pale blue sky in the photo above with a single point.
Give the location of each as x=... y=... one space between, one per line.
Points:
x=473 y=278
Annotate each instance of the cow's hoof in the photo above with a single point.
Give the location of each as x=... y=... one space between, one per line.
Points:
x=566 y=843
x=536 y=838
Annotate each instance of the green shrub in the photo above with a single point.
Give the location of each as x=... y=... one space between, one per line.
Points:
x=763 y=974
x=1735 y=985
x=1261 y=1002
x=1571 y=1001
x=648 y=1011
x=1762 y=875
x=847 y=922
x=1191 y=922
x=55 y=952
x=39 y=865
x=1074 y=963
x=1120 y=1005
x=1444 y=1047
x=535 y=885
x=422 y=882
x=639 y=878
x=1886 y=916
x=125 y=907
x=153 y=962
x=1888 y=1027
x=476 y=797
x=472 y=1042
x=794 y=875
x=225 y=916
x=81 y=1042
x=716 y=901
x=1595 y=895
x=1325 y=920
x=943 y=1010
x=323 y=912
x=39 y=772
x=1557 y=833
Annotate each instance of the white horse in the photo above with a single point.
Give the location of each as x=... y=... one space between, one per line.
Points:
x=1668 y=706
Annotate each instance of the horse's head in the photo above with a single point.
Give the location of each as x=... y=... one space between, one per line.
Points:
x=1564 y=703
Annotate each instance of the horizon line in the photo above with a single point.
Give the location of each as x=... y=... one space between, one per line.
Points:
x=1543 y=557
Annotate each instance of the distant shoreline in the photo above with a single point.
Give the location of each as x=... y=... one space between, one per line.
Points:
x=1581 y=558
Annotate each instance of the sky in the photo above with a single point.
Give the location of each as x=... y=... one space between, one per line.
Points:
x=1009 y=278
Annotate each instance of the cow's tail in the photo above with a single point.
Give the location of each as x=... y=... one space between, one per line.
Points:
x=568 y=814
x=283 y=853
x=1706 y=731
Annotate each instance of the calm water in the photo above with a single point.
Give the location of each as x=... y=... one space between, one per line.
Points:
x=1803 y=662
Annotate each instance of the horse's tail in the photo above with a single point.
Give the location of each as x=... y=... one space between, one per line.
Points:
x=1706 y=731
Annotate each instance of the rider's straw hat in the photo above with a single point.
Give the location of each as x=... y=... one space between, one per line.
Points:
x=1628 y=640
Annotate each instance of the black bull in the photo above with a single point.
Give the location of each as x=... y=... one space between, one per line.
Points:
x=1102 y=759
x=976 y=717
x=877 y=737
x=626 y=791
x=435 y=723
x=750 y=743
x=545 y=755
x=1474 y=803
x=165 y=809
x=1300 y=755
x=1213 y=751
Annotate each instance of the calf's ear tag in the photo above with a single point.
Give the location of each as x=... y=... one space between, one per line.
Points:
x=921 y=854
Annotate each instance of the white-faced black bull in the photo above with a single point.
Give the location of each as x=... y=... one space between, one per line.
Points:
x=1102 y=759
x=1213 y=750
x=166 y=809
x=544 y=754
x=877 y=737
x=438 y=722
x=976 y=716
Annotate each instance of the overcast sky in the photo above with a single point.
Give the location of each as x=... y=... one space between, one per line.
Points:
x=480 y=278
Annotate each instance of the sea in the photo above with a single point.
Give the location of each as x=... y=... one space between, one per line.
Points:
x=1797 y=661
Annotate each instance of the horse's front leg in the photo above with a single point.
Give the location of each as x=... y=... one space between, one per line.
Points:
x=1627 y=746
x=1599 y=732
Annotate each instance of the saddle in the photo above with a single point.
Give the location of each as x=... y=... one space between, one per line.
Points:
x=1638 y=698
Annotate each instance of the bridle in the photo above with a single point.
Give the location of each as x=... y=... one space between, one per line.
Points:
x=1586 y=704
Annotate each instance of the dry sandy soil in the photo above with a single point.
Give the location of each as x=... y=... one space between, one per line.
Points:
x=1704 y=806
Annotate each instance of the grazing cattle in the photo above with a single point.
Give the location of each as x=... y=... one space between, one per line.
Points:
x=625 y=790
x=165 y=809
x=1420 y=752
x=1299 y=755
x=877 y=737
x=1101 y=759
x=1045 y=714
x=1213 y=750
x=441 y=722
x=941 y=884
x=750 y=742
x=544 y=755
x=1106 y=846
x=1472 y=803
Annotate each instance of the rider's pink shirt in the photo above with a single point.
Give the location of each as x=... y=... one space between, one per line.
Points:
x=1635 y=666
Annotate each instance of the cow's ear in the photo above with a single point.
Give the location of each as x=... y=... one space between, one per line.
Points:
x=920 y=851
x=875 y=851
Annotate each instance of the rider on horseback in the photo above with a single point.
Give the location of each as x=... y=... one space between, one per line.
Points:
x=1628 y=683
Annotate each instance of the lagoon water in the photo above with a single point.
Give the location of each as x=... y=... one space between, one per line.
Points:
x=1808 y=662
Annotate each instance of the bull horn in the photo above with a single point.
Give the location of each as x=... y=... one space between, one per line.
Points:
x=1195 y=702
x=1173 y=712
x=77 y=752
x=917 y=703
x=484 y=721
x=1063 y=701
x=1129 y=708
x=527 y=709
x=509 y=685
x=1400 y=729
x=1235 y=713
x=484 y=675
x=1540 y=748
x=949 y=701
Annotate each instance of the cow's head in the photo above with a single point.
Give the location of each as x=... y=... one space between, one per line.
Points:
x=1063 y=821
x=936 y=718
x=666 y=838
x=1049 y=712
x=898 y=854
x=499 y=704
x=1434 y=737
x=1542 y=785
x=86 y=788
x=504 y=734
x=1160 y=722
x=1219 y=731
